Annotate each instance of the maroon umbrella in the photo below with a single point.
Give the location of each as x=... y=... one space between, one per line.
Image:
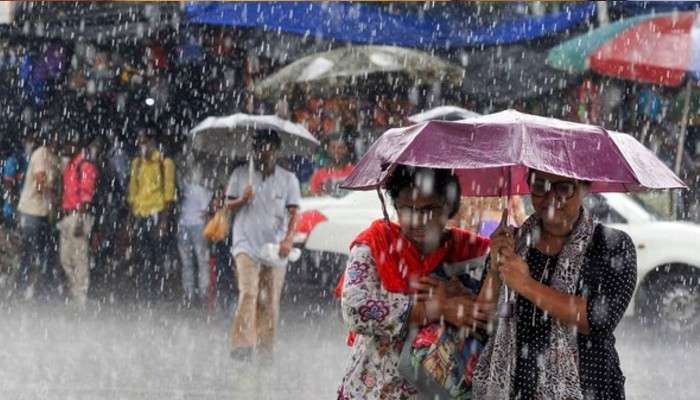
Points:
x=492 y=153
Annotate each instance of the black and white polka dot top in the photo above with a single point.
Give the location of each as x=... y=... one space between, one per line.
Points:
x=607 y=281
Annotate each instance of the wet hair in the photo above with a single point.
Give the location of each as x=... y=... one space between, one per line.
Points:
x=346 y=139
x=98 y=141
x=148 y=133
x=265 y=136
x=445 y=184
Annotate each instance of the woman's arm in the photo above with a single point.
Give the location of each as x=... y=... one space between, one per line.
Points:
x=602 y=308
x=235 y=204
x=436 y=303
x=610 y=291
x=366 y=307
x=569 y=309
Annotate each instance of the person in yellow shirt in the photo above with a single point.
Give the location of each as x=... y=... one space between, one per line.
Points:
x=151 y=197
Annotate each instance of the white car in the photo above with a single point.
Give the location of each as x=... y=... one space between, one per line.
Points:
x=668 y=255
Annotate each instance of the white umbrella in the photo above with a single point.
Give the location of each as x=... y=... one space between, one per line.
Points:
x=231 y=136
x=445 y=113
x=337 y=67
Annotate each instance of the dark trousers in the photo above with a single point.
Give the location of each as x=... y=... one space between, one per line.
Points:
x=149 y=250
x=225 y=279
x=35 y=262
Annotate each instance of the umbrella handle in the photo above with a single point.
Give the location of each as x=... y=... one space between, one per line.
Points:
x=506 y=309
x=381 y=200
x=251 y=170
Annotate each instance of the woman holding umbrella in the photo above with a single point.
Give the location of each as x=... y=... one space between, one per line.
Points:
x=574 y=280
x=386 y=286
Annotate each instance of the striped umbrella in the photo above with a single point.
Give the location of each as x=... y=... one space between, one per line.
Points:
x=659 y=49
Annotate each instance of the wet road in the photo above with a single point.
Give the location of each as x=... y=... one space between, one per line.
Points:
x=48 y=352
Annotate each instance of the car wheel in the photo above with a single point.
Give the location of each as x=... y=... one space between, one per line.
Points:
x=672 y=302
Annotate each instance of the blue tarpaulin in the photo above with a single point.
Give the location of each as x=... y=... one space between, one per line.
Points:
x=373 y=24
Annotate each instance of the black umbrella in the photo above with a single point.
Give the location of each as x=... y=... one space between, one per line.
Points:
x=506 y=73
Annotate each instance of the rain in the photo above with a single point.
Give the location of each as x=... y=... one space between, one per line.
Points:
x=293 y=200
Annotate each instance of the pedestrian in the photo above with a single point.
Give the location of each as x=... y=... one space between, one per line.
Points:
x=265 y=203
x=151 y=198
x=195 y=201
x=109 y=237
x=327 y=179
x=573 y=281
x=36 y=203
x=14 y=168
x=389 y=280
x=79 y=186
x=224 y=279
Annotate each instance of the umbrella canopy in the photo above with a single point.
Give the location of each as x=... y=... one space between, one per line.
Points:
x=492 y=154
x=340 y=66
x=501 y=74
x=649 y=171
x=231 y=136
x=444 y=113
x=658 y=49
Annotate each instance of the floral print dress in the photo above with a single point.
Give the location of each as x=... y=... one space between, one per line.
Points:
x=379 y=318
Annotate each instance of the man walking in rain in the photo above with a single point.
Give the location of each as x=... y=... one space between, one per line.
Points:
x=79 y=183
x=36 y=202
x=150 y=197
x=265 y=201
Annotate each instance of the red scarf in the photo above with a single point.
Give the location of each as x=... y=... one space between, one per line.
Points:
x=398 y=261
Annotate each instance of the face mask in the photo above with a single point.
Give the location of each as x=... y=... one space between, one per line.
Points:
x=144 y=151
x=93 y=153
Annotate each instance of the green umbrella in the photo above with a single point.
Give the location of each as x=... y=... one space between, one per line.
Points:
x=622 y=49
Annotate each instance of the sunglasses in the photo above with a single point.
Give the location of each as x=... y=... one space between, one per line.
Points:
x=563 y=190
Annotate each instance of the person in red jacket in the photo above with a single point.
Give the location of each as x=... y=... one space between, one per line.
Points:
x=79 y=182
x=326 y=180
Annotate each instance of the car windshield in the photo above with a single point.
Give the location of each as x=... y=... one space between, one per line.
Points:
x=657 y=204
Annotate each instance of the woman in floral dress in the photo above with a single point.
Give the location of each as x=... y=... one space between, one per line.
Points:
x=386 y=286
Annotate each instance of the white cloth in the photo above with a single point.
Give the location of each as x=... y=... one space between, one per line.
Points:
x=264 y=219
x=270 y=255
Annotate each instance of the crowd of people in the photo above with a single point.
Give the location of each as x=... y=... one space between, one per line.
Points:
x=79 y=198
